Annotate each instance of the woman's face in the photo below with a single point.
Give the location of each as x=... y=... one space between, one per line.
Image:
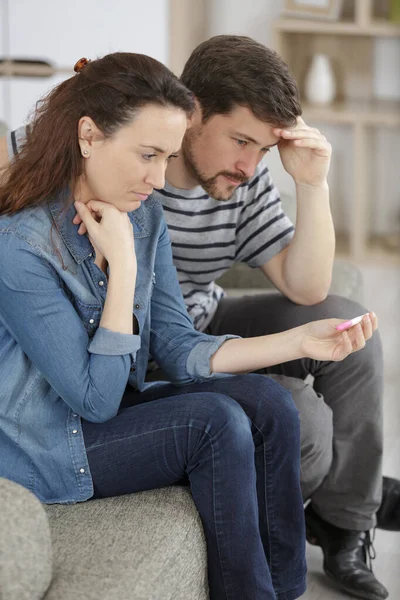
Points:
x=125 y=168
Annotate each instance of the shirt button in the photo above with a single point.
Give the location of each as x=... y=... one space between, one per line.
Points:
x=81 y=470
x=101 y=283
x=74 y=431
x=91 y=321
x=137 y=305
x=74 y=415
x=91 y=254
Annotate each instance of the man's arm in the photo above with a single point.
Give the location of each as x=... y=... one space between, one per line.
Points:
x=303 y=270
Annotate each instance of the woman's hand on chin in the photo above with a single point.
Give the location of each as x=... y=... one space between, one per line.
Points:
x=109 y=230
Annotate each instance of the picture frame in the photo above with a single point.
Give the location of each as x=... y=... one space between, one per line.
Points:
x=328 y=10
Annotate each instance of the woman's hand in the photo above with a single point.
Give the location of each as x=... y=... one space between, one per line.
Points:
x=78 y=221
x=321 y=340
x=109 y=230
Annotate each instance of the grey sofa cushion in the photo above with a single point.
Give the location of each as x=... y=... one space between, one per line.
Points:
x=145 y=546
x=25 y=544
x=240 y=279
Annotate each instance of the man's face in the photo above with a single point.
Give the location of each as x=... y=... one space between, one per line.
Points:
x=225 y=151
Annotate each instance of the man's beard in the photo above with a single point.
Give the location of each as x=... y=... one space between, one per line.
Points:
x=209 y=184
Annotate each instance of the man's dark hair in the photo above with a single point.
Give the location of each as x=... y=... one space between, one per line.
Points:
x=230 y=70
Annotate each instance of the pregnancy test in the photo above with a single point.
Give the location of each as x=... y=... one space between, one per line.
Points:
x=350 y=323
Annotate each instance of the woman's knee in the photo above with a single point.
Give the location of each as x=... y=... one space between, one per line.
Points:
x=219 y=412
x=265 y=387
x=275 y=398
x=251 y=400
x=270 y=407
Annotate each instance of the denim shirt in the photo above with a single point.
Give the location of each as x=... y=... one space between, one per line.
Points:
x=57 y=365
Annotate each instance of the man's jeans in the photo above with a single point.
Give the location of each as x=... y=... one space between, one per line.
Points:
x=347 y=399
x=237 y=441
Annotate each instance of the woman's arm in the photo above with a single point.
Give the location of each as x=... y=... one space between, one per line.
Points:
x=319 y=340
x=250 y=354
x=182 y=352
x=89 y=375
x=187 y=355
x=119 y=252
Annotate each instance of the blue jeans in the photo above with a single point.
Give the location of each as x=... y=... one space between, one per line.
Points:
x=236 y=441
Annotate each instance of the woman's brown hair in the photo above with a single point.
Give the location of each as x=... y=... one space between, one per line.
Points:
x=110 y=90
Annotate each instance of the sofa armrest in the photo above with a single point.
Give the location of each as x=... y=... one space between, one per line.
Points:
x=25 y=544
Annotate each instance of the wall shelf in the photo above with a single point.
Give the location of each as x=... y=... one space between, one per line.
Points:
x=349 y=43
x=376 y=27
x=375 y=252
x=367 y=112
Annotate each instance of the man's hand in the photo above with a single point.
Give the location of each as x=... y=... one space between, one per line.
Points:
x=305 y=153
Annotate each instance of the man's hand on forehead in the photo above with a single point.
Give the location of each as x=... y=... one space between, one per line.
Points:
x=305 y=153
x=306 y=137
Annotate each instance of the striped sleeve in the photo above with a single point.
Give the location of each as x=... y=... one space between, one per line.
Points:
x=263 y=229
x=15 y=140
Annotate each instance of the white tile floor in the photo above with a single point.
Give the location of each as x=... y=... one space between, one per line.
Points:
x=382 y=294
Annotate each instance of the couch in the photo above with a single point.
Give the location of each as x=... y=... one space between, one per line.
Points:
x=144 y=546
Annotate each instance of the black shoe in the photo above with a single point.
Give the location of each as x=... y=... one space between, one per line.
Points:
x=388 y=515
x=346 y=557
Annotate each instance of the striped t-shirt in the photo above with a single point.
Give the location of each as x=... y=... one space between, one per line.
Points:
x=209 y=236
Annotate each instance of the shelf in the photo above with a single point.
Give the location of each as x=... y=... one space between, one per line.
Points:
x=375 y=252
x=377 y=27
x=350 y=45
x=20 y=68
x=372 y=112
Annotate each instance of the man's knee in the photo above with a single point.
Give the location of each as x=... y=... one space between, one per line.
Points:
x=316 y=432
x=339 y=307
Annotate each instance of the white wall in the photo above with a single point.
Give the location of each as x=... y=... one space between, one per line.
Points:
x=63 y=31
x=244 y=17
x=254 y=18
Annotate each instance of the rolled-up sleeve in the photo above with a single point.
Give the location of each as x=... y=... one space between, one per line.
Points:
x=198 y=361
x=113 y=343
x=90 y=376
x=183 y=353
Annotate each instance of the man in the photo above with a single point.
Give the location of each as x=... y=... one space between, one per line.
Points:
x=222 y=207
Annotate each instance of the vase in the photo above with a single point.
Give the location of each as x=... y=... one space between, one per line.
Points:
x=320 y=85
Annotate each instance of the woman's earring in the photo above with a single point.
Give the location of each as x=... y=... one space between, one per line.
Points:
x=85 y=152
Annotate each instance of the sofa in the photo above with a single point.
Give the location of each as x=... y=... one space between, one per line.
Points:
x=144 y=546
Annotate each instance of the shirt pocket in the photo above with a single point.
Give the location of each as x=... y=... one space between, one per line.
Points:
x=90 y=315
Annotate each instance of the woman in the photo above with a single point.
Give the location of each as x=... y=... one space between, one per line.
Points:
x=79 y=315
